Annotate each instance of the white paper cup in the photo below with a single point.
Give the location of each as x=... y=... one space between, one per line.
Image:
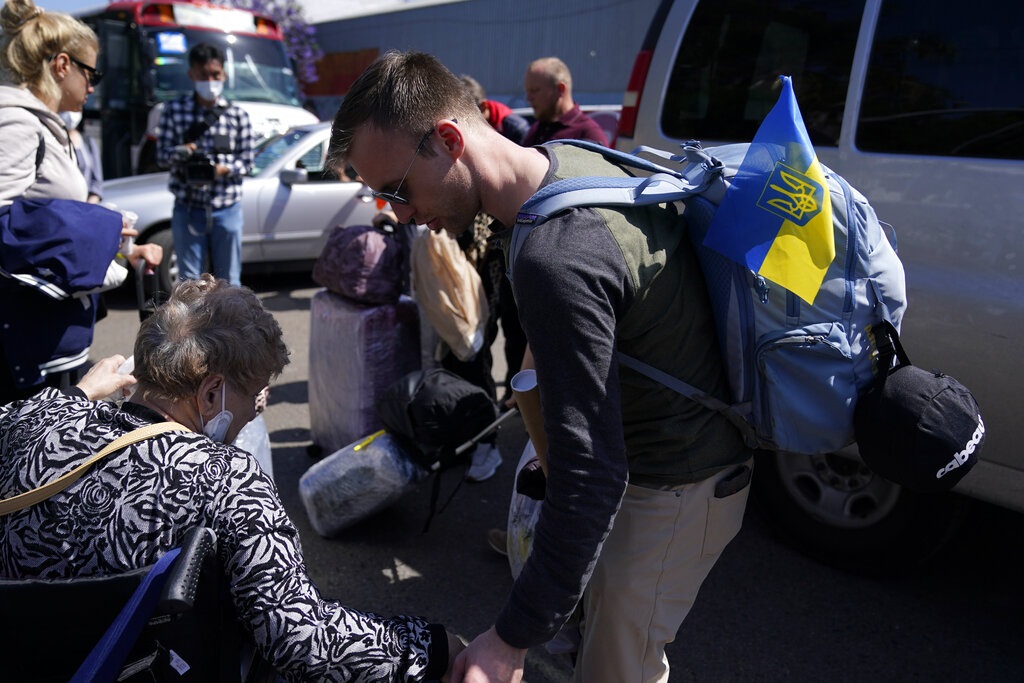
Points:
x=527 y=393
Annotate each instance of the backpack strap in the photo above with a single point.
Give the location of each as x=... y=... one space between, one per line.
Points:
x=698 y=173
x=694 y=394
x=693 y=154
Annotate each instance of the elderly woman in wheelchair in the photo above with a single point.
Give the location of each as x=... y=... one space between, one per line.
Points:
x=114 y=549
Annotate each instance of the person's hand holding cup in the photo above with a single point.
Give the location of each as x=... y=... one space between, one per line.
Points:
x=128 y=232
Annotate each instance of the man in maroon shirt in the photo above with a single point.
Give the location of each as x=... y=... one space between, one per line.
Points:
x=548 y=86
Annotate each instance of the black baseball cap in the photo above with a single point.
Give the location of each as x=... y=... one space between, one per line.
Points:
x=918 y=428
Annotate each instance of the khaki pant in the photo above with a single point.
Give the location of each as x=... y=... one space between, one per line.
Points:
x=662 y=546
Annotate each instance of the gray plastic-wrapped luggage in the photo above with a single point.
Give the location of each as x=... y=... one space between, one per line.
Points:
x=356 y=481
x=355 y=353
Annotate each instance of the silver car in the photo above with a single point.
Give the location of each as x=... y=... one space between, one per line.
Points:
x=290 y=203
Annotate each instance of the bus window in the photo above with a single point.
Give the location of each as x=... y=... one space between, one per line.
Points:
x=257 y=69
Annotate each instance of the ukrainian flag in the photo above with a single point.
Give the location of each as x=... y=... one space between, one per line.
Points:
x=776 y=216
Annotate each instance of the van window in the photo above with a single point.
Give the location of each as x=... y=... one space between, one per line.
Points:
x=725 y=77
x=944 y=81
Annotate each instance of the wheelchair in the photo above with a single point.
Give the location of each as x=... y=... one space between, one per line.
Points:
x=51 y=626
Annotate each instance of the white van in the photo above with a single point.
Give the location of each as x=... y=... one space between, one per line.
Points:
x=920 y=105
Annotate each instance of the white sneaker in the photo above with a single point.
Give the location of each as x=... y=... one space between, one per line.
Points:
x=484 y=462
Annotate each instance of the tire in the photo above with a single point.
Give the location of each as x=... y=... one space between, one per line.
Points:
x=167 y=271
x=837 y=511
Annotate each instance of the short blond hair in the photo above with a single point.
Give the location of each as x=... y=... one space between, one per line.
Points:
x=31 y=37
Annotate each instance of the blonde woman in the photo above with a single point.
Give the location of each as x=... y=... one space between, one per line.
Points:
x=47 y=65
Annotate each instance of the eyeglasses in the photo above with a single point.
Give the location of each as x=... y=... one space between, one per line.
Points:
x=91 y=74
x=394 y=197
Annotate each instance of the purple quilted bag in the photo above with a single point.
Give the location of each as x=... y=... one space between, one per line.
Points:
x=361 y=263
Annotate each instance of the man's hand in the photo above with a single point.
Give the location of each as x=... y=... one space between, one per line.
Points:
x=103 y=379
x=489 y=659
x=182 y=152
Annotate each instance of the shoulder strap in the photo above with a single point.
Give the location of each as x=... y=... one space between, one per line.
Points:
x=210 y=117
x=29 y=498
x=40 y=154
x=695 y=173
x=691 y=172
x=694 y=394
x=41 y=150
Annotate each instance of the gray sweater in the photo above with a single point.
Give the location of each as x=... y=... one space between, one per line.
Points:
x=588 y=282
x=25 y=124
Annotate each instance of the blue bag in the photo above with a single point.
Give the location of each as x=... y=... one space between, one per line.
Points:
x=58 y=247
x=795 y=369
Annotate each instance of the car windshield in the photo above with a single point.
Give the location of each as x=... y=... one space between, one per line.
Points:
x=273 y=148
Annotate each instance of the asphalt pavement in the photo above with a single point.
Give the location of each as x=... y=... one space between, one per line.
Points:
x=766 y=613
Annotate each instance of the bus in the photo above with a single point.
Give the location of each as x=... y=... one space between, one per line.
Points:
x=144 y=48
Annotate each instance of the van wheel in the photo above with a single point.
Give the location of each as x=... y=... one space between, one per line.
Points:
x=167 y=271
x=837 y=511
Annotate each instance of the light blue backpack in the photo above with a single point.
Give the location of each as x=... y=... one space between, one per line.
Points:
x=795 y=369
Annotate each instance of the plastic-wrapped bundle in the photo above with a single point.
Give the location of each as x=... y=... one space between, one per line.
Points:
x=255 y=440
x=355 y=353
x=356 y=481
x=523 y=513
x=522 y=517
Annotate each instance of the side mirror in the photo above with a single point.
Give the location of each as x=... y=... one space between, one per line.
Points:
x=292 y=176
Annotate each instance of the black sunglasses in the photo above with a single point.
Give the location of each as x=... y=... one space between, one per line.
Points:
x=394 y=197
x=91 y=74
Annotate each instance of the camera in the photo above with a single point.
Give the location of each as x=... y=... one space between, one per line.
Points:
x=199 y=170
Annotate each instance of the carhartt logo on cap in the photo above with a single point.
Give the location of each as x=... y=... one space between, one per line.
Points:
x=961 y=457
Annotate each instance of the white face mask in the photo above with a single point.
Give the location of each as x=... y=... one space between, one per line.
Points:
x=217 y=428
x=209 y=90
x=71 y=119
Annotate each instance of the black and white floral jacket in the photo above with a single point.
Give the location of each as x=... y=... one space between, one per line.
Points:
x=136 y=504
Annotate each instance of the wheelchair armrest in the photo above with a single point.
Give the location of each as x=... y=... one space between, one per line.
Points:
x=179 y=592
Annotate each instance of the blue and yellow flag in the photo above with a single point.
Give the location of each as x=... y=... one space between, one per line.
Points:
x=776 y=216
